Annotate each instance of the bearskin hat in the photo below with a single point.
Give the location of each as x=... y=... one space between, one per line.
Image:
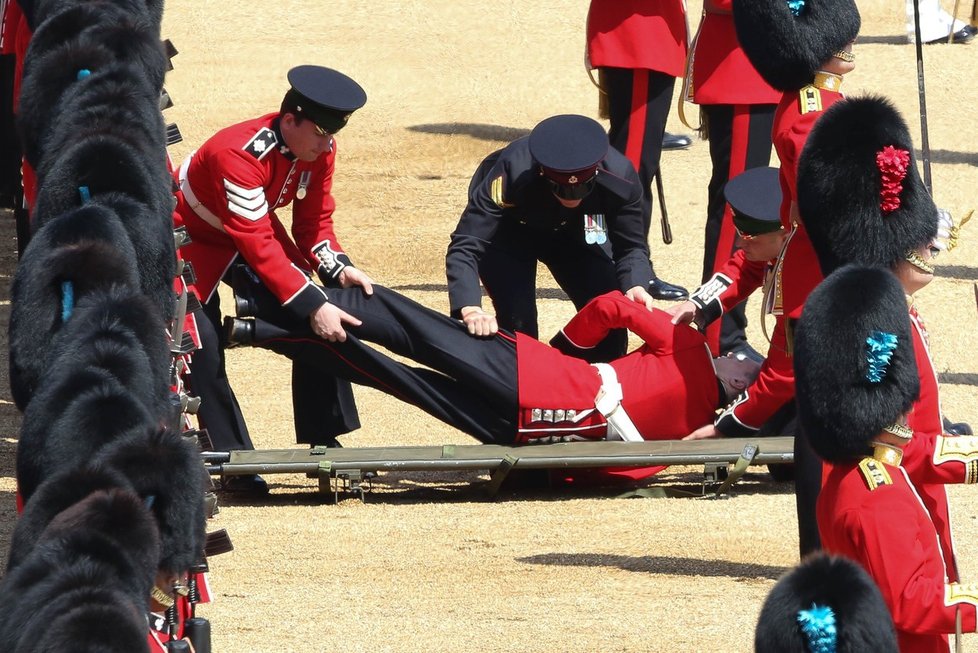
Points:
x=825 y=599
x=787 y=40
x=166 y=469
x=859 y=193
x=855 y=371
x=55 y=495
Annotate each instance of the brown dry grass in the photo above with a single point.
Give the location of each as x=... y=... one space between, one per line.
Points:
x=427 y=563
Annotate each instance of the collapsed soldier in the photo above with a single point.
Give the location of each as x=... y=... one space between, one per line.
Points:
x=511 y=388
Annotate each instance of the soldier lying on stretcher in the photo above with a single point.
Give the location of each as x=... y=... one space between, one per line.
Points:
x=511 y=388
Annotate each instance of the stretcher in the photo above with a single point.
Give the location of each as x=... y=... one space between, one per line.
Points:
x=347 y=469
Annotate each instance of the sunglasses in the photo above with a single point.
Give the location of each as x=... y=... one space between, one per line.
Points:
x=749 y=237
x=572 y=191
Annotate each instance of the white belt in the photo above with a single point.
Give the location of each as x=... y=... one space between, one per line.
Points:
x=608 y=403
x=188 y=194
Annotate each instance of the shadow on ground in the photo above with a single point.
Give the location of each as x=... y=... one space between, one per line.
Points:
x=670 y=565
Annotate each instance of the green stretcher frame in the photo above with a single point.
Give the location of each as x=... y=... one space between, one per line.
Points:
x=724 y=460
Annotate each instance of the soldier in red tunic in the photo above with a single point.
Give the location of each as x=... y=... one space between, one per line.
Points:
x=229 y=192
x=737 y=111
x=511 y=388
x=802 y=49
x=864 y=202
x=640 y=48
x=857 y=382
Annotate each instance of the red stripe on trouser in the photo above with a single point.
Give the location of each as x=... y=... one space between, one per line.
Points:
x=739 y=138
x=636 y=117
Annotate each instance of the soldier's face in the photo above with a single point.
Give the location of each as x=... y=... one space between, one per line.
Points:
x=911 y=275
x=305 y=140
x=762 y=248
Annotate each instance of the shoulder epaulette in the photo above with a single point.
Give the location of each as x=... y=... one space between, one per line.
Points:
x=875 y=473
x=496 y=192
x=263 y=142
x=809 y=99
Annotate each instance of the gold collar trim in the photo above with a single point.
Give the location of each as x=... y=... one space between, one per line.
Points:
x=887 y=453
x=827 y=81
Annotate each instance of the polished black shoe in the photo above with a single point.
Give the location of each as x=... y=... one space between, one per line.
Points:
x=675 y=141
x=244 y=306
x=666 y=291
x=964 y=35
x=957 y=428
x=239 y=331
x=247 y=484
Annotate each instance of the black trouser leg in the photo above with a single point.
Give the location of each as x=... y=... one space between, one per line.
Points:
x=584 y=273
x=323 y=407
x=509 y=275
x=219 y=411
x=808 y=484
x=740 y=139
x=449 y=400
x=638 y=107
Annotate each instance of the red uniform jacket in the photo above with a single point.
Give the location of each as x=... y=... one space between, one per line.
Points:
x=669 y=383
x=870 y=512
x=800 y=271
x=637 y=34
x=239 y=177
x=722 y=73
x=932 y=459
x=796 y=272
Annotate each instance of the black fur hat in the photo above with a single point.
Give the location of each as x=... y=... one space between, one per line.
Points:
x=95 y=558
x=859 y=193
x=167 y=467
x=846 y=393
x=88 y=247
x=56 y=494
x=787 y=41
x=803 y=599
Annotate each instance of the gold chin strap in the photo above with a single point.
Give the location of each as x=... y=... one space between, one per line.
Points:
x=162 y=597
x=902 y=431
x=887 y=453
x=848 y=57
x=914 y=259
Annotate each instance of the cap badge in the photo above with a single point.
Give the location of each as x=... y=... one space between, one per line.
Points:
x=572 y=179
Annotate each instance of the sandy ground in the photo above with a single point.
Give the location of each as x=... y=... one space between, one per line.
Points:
x=428 y=562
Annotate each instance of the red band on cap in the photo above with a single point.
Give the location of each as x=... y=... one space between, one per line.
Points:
x=570 y=178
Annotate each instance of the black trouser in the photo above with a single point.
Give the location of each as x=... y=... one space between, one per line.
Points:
x=808 y=484
x=740 y=139
x=219 y=411
x=472 y=383
x=632 y=93
x=508 y=269
x=323 y=406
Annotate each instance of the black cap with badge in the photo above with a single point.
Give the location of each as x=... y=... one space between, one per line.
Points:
x=755 y=199
x=323 y=95
x=569 y=149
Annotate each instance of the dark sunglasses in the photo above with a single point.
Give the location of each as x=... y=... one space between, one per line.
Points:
x=572 y=191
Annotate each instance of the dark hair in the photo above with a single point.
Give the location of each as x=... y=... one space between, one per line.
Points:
x=290 y=104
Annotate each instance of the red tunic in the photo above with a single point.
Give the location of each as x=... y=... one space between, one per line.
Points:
x=722 y=73
x=800 y=271
x=888 y=531
x=931 y=459
x=637 y=34
x=239 y=177
x=669 y=384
